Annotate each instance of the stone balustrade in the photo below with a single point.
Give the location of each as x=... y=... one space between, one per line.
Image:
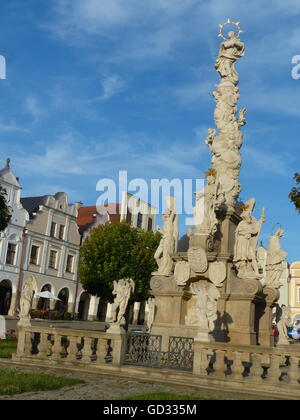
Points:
x=248 y=364
x=70 y=346
x=240 y=368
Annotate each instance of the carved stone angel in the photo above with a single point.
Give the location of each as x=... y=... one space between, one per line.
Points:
x=122 y=291
x=275 y=258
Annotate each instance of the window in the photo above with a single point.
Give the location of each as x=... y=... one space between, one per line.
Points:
x=61 y=232
x=11 y=253
x=128 y=217
x=69 y=268
x=34 y=255
x=53 y=229
x=52 y=259
x=150 y=223
x=139 y=220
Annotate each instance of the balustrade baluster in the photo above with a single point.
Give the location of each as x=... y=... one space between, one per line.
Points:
x=72 y=349
x=256 y=369
x=87 y=350
x=101 y=351
x=28 y=343
x=219 y=365
x=57 y=348
x=237 y=367
x=43 y=346
x=274 y=371
x=293 y=370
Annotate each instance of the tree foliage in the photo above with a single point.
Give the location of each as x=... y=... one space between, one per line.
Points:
x=5 y=212
x=294 y=195
x=115 y=251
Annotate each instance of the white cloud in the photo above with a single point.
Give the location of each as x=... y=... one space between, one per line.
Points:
x=11 y=126
x=33 y=108
x=112 y=84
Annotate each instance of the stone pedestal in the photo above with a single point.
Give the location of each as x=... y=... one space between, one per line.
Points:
x=116 y=329
x=240 y=309
x=24 y=322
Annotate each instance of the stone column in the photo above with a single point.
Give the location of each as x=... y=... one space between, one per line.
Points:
x=12 y=308
x=136 y=311
x=265 y=335
x=108 y=312
x=93 y=308
x=52 y=304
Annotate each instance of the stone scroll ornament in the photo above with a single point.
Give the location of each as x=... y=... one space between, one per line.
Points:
x=122 y=292
x=246 y=239
x=169 y=241
x=225 y=145
x=275 y=258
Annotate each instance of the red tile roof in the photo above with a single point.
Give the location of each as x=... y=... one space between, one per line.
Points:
x=87 y=214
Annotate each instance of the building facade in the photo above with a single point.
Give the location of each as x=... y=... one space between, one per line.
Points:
x=51 y=253
x=295 y=292
x=11 y=242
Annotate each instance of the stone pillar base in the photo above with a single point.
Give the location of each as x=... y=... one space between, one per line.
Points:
x=116 y=329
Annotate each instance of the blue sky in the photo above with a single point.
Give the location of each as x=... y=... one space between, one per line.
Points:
x=98 y=86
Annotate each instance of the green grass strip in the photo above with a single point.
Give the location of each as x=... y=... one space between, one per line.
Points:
x=7 y=348
x=13 y=382
x=165 y=396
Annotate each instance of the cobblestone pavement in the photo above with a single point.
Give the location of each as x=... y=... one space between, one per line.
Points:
x=105 y=388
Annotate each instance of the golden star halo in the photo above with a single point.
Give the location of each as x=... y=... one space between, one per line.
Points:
x=229 y=22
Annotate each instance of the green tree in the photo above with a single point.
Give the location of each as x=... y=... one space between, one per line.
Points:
x=294 y=195
x=5 y=213
x=115 y=251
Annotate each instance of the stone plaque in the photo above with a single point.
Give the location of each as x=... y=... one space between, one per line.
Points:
x=197 y=259
x=2 y=328
x=217 y=273
x=182 y=273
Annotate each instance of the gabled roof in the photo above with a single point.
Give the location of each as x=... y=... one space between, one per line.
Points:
x=87 y=215
x=31 y=204
x=7 y=175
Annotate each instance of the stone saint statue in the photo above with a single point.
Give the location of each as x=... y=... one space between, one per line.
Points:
x=169 y=240
x=275 y=258
x=230 y=51
x=283 y=321
x=206 y=206
x=122 y=291
x=151 y=312
x=26 y=301
x=246 y=238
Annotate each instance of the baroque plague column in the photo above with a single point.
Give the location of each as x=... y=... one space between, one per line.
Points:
x=213 y=292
